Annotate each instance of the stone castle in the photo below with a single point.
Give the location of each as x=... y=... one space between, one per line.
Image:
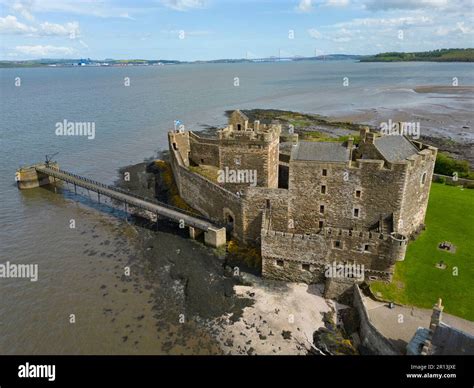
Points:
x=311 y=204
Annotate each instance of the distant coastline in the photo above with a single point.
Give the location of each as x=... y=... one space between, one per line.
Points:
x=87 y=62
x=442 y=55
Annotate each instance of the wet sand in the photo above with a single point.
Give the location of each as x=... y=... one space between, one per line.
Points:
x=444 y=89
x=449 y=129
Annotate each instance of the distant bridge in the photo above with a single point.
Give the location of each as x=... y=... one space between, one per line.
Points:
x=213 y=235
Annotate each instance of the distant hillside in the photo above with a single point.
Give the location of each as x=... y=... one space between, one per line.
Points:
x=443 y=55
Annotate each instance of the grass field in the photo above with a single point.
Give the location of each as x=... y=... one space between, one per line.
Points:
x=417 y=280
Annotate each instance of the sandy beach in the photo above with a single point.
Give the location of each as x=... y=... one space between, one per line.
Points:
x=281 y=320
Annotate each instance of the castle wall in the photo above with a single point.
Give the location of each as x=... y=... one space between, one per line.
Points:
x=204 y=151
x=255 y=201
x=200 y=193
x=380 y=189
x=416 y=192
x=244 y=154
x=370 y=336
x=179 y=144
x=378 y=252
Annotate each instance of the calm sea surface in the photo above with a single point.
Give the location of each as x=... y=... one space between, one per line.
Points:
x=80 y=269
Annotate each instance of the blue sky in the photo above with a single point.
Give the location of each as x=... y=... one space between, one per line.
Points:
x=211 y=29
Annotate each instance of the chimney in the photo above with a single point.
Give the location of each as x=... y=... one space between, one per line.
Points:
x=256 y=125
x=363 y=132
x=437 y=315
x=370 y=137
x=350 y=145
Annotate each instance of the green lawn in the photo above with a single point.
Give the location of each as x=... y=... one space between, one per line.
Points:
x=417 y=281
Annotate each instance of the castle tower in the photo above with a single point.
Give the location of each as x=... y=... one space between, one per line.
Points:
x=249 y=150
x=238 y=121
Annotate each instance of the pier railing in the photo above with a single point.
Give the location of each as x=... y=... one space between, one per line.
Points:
x=149 y=204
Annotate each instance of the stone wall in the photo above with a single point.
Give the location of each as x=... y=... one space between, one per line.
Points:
x=416 y=192
x=210 y=199
x=255 y=201
x=370 y=337
x=380 y=195
x=203 y=151
x=245 y=154
x=29 y=178
x=451 y=180
x=339 y=288
x=303 y=257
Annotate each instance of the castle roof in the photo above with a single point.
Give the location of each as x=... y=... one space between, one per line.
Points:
x=320 y=151
x=449 y=340
x=395 y=148
x=416 y=343
x=446 y=340
x=238 y=112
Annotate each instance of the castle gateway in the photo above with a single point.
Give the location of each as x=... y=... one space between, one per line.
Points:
x=309 y=204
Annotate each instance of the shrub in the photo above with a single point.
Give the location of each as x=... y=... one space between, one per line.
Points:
x=446 y=165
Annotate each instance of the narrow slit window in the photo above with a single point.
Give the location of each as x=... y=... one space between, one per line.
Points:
x=356 y=213
x=423 y=178
x=323 y=189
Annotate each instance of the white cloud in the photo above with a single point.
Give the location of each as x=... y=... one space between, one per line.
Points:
x=98 y=8
x=126 y=15
x=40 y=51
x=23 y=8
x=305 y=6
x=11 y=25
x=187 y=33
x=388 y=22
x=443 y=31
x=337 y=3
x=314 y=33
x=53 y=29
x=379 y=5
x=183 y=5
x=465 y=30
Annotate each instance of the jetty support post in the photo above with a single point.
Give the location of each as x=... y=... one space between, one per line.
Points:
x=215 y=237
x=194 y=232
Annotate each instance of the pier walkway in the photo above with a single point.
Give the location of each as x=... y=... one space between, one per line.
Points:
x=214 y=235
